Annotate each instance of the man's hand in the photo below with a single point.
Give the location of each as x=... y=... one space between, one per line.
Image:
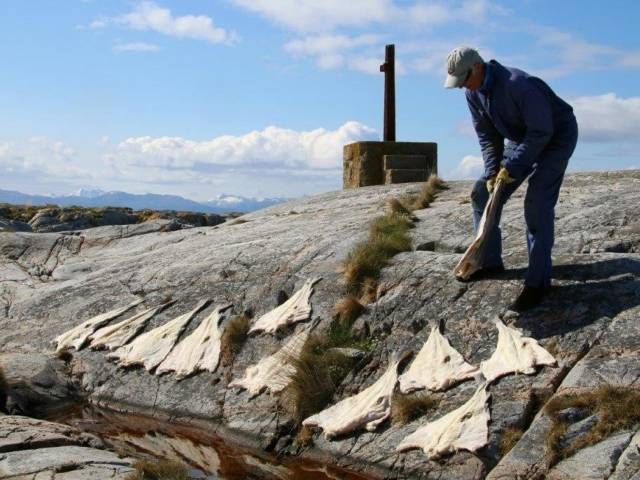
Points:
x=491 y=183
x=503 y=176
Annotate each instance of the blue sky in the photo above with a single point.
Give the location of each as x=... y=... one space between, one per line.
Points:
x=257 y=97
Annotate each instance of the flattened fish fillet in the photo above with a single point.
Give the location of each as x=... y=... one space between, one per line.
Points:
x=78 y=336
x=151 y=348
x=437 y=366
x=114 y=336
x=465 y=428
x=296 y=309
x=473 y=258
x=199 y=351
x=367 y=409
x=514 y=354
x=275 y=371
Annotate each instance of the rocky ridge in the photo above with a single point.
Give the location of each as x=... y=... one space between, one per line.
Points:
x=46 y=219
x=51 y=282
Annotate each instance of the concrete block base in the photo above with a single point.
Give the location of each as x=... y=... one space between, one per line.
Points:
x=364 y=163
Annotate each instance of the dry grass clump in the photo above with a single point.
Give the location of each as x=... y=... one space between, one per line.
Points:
x=388 y=236
x=616 y=408
x=428 y=192
x=508 y=439
x=318 y=372
x=398 y=206
x=233 y=338
x=66 y=355
x=304 y=437
x=405 y=408
x=347 y=310
x=158 y=470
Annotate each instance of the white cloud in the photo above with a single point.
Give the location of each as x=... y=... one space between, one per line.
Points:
x=327 y=15
x=470 y=167
x=332 y=51
x=608 y=118
x=136 y=47
x=148 y=16
x=319 y=16
x=272 y=147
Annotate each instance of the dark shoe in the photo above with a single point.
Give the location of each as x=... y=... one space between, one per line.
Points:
x=483 y=273
x=529 y=298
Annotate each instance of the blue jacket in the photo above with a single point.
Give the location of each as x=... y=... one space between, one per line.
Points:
x=512 y=105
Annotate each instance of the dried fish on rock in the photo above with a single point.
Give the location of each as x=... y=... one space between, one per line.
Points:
x=78 y=336
x=151 y=348
x=514 y=353
x=296 y=309
x=116 y=335
x=465 y=428
x=274 y=372
x=436 y=367
x=200 y=350
x=367 y=409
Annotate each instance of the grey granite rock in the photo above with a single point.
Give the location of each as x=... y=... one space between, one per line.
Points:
x=34 y=449
x=51 y=282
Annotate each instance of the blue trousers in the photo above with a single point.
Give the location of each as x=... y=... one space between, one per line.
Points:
x=545 y=177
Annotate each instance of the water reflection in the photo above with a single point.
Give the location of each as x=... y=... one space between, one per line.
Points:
x=207 y=455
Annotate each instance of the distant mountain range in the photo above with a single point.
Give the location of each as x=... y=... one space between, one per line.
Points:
x=97 y=198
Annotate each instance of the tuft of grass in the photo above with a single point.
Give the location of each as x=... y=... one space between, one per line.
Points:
x=428 y=192
x=397 y=205
x=158 y=470
x=304 y=437
x=615 y=407
x=233 y=338
x=66 y=355
x=347 y=310
x=318 y=372
x=508 y=439
x=405 y=408
x=388 y=236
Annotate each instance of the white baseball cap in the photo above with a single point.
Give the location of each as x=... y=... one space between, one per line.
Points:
x=459 y=62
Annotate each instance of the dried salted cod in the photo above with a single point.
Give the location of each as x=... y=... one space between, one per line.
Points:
x=473 y=258
x=367 y=409
x=116 y=335
x=296 y=309
x=151 y=348
x=514 y=354
x=462 y=429
x=199 y=351
x=437 y=366
x=77 y=336
x=275 y=371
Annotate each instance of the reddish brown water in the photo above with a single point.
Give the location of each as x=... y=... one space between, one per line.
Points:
x=207 y=455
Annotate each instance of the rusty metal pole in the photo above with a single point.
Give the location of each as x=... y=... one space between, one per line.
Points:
x=389 y=69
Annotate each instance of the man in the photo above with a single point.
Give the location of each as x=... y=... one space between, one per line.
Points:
x=541 y=132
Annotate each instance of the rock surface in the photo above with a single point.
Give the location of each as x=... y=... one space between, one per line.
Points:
x=52 y=282
x=34 y=449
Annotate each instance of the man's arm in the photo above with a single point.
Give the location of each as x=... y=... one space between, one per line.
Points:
x=491 y=142
x=538 y=120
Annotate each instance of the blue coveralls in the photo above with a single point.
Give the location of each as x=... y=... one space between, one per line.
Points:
x=541 y=133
